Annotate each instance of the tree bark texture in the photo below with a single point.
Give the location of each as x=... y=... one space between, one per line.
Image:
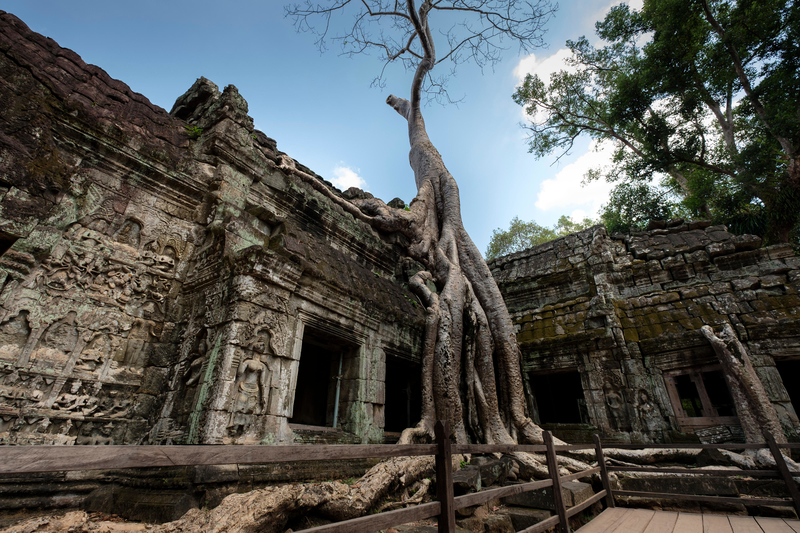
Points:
x=470 y=345
x=756 y=412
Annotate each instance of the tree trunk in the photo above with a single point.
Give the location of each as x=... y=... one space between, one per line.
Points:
x=756 y=412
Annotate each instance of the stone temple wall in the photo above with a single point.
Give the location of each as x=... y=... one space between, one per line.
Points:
x=609 y=329
x=161 y=276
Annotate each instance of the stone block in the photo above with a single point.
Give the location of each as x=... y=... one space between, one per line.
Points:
x=699 y=485
x=573 y=492
x=493 y=471
x=523 y=517
x=498 y=524
x=379 y=415
x=467 y=480
x=781 y=251
x=774 y=280
x=716 y=249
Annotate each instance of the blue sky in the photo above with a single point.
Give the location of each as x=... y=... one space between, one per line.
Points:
x=321 y=109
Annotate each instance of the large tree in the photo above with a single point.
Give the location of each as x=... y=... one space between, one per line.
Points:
x=705 y=93
x=471 y=374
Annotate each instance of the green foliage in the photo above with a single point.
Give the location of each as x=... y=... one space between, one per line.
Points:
x=521 y=235
x=700 y=96
x=632 y=205
x=195 y=132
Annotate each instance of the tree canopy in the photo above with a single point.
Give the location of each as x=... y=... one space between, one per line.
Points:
x=701 y=95
x=521 y=235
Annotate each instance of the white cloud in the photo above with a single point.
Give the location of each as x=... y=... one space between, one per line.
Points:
x=566 y=192
x=346 y=177
x=544 y=66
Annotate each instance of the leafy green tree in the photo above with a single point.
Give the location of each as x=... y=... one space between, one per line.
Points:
x=521 y=235
x=632 y=205
x=703 y=95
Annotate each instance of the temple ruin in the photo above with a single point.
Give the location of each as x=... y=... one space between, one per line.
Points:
x=174 y=278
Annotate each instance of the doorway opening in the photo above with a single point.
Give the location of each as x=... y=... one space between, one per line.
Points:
x=559 y=397
x=324 y=361
x=403 y=403
x=789 y=370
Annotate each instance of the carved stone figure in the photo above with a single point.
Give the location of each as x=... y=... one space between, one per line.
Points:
x=649 y=414
x=251 y=395
x=617 y=408
x=129 y=233
x=14 y=335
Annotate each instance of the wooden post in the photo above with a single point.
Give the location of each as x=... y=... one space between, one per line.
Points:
x=784 y=470
x=444 y=478
x=552 y=467
x=601 y=462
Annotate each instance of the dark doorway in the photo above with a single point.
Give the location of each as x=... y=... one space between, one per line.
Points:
x=559 y=398
x=403 y=406
x=789 y=371
x=318 y=378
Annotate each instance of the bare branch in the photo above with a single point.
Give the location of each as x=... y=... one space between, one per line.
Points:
x=400 y=31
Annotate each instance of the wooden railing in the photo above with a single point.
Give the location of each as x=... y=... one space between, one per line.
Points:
x=781 y=472
x=37 y=459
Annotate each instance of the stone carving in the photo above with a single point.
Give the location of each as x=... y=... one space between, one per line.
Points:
x=76 y=269
x=250 y=396
x=617 y=407
x=17 y=391
x=95 y=435
x=141 y=333
x=62 y=335
x=129 y=233
x=76 y=402
x=14 y=334
x=114 y=405
x=649 y=414
x=197 y=359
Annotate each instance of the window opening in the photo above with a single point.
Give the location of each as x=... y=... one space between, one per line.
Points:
x=689 y=395
x=718 y=393
x=403 y=404
x=320 y=384
x=700 y=398
x=559 y=398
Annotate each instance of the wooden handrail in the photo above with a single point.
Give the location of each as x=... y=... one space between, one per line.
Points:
x=781 y=467
x=35 y=459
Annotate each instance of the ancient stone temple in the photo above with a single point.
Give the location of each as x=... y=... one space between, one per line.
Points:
x=609 y=328
x=174 y=278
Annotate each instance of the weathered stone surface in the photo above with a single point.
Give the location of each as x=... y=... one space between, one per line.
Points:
x=628 y=332
x=523 y=517
x=161 y=289
x=499 y=524
x=467 y=480
x=573 y=492
x=492 y=471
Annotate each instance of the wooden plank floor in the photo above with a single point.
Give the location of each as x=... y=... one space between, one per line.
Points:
x=623 y=520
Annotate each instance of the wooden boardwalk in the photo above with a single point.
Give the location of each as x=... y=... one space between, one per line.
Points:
x=622 y=520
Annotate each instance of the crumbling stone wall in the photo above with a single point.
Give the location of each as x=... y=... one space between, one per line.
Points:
x=161 y=271
x=625 y=312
